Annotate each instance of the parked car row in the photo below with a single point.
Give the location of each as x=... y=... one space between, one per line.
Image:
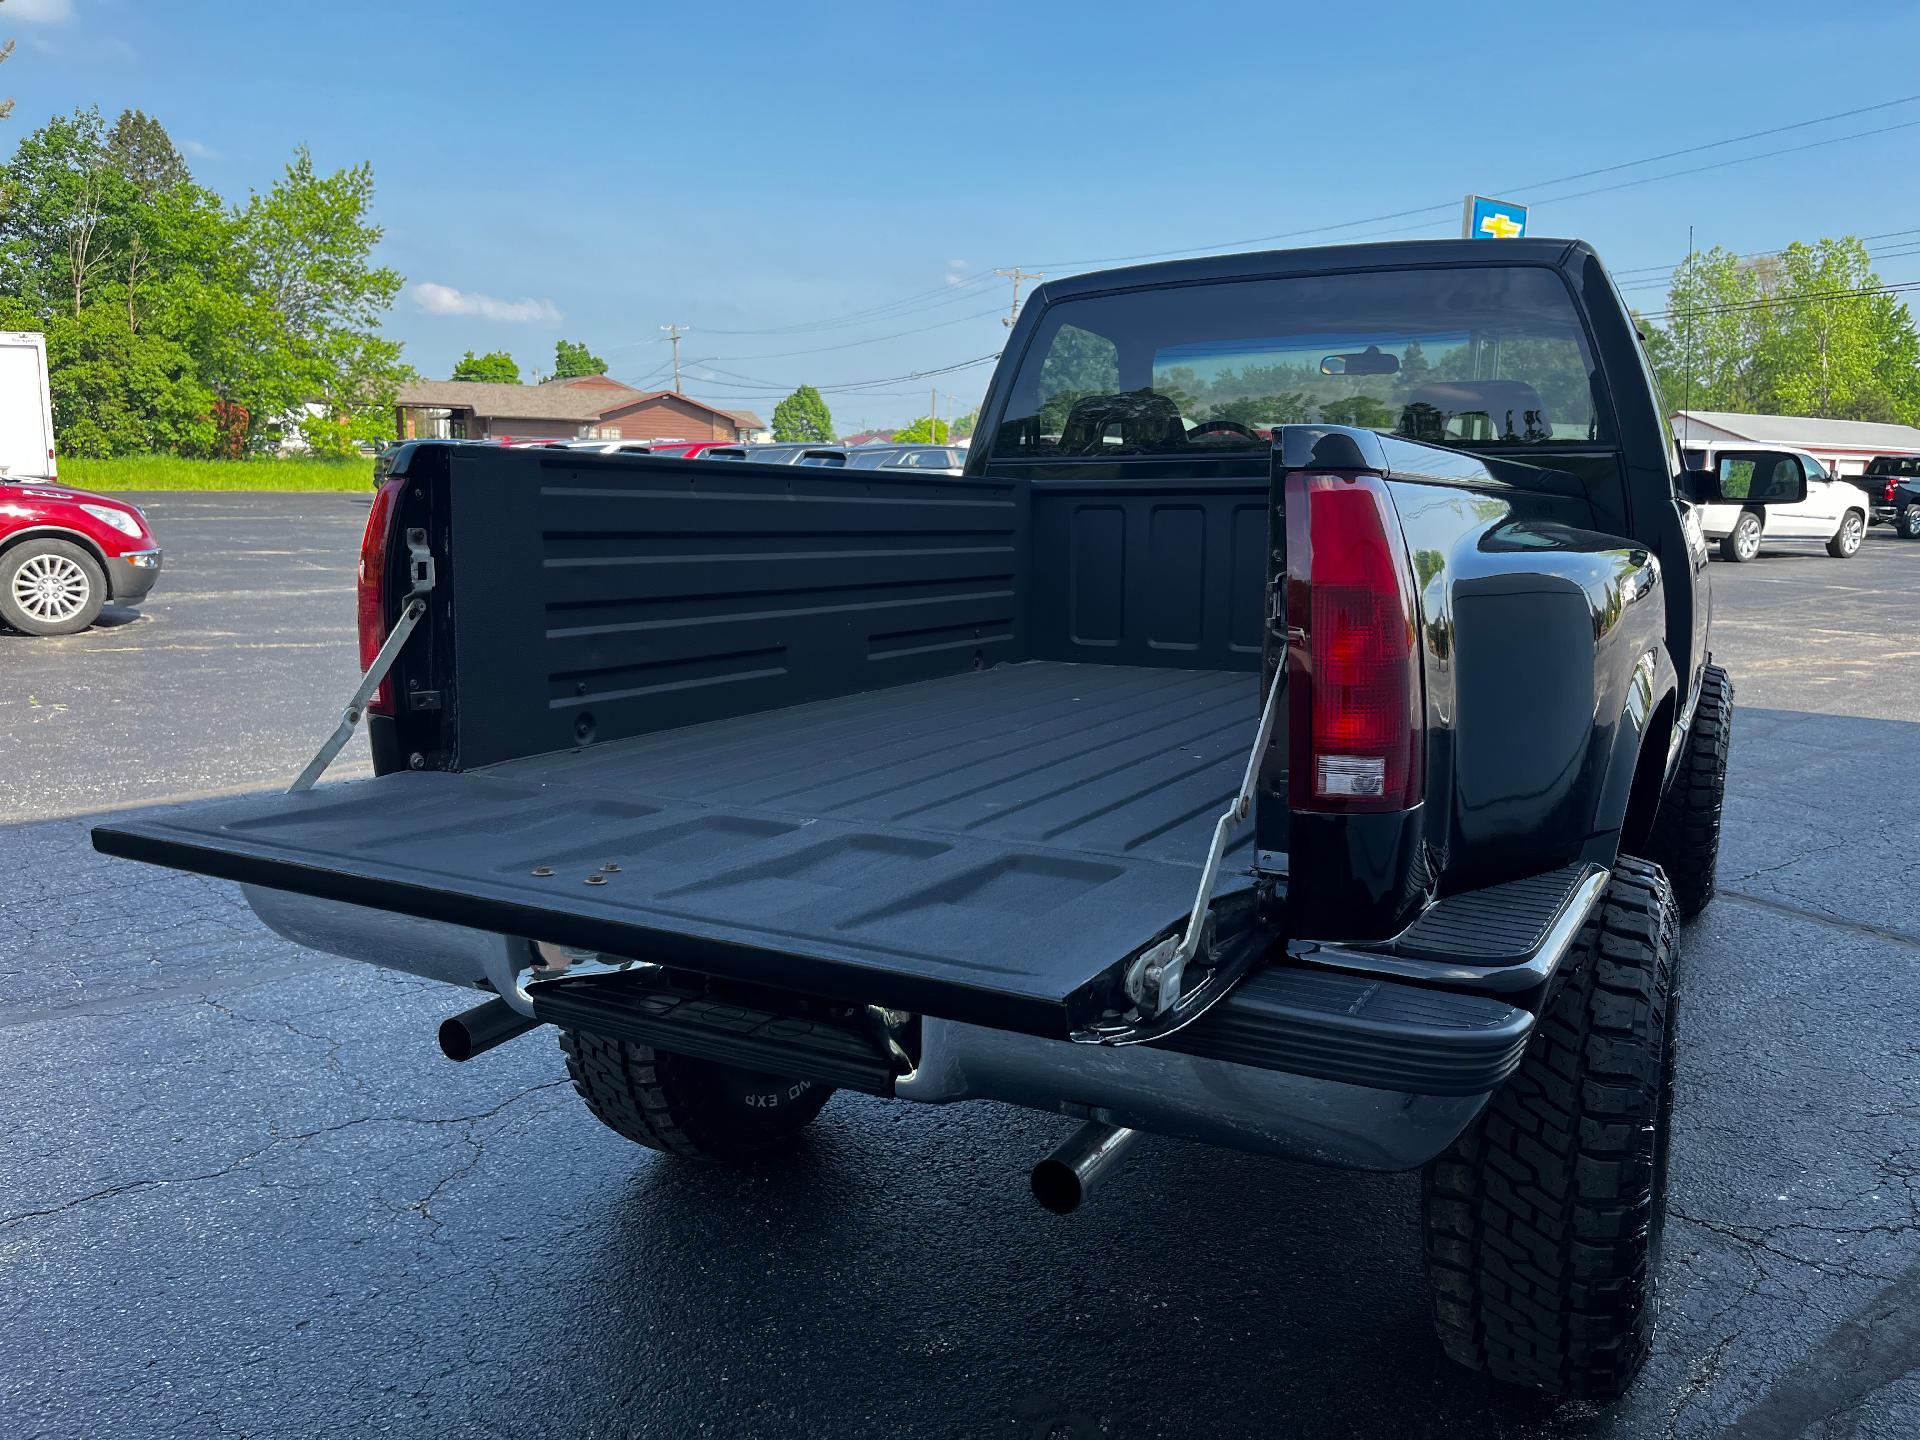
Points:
x=940 y=459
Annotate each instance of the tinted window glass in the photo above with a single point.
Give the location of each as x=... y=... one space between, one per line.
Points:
x=1477 y=358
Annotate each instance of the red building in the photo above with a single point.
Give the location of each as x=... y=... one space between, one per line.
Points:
x=579 y=407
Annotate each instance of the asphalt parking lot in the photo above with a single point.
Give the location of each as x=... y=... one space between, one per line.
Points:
x=241 y=1193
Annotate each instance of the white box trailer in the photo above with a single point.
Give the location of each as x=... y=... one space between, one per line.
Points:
x=26 y=409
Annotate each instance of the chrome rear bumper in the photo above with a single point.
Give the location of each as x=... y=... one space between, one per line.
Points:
x=1213 y=1101
x=472 y=959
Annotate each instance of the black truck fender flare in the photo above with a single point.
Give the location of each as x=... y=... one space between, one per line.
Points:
x=1638 y=760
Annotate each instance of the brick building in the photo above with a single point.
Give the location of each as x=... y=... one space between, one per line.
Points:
x=579 y=407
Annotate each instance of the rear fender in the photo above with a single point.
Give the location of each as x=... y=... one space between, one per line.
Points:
x=1637 y=771
x=1545 y=660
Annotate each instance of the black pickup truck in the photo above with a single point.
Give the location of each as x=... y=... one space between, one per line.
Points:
x=1892 y=483
x=1295 y=732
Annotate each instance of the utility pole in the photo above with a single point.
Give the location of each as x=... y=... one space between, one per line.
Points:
x=673 y=334
x=933 y=413
x=1016 y=275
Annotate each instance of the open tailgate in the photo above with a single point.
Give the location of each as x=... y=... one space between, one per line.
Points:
x=964 y=926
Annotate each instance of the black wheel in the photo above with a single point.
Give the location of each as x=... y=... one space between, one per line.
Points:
x=1908 y=524
x=1744 y=542
x=1544 y=1221
x=688 y=1107
x=1686 y=828
x=1846 y=540
x=49 y=587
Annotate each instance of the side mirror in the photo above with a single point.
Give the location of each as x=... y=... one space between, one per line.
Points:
x=1749 y=477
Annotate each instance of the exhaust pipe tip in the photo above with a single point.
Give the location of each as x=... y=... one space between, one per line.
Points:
x=1056 y=1185
x=1062 y=1181
x=476 y=1031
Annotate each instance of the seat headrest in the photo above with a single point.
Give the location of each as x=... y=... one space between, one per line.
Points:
x=1506 y=410
x=1147 y=419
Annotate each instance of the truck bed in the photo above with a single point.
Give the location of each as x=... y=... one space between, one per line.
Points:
x=983 y=846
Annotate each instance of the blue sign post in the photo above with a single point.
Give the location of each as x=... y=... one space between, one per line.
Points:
x=1485 y=219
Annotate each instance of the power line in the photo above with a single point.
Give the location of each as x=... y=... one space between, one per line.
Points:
x=870 y=340
x=947 y=294
x=1452 y=205
x=774 y=391
x=1669 y=272
x=1667 y=282
x=1772 y=301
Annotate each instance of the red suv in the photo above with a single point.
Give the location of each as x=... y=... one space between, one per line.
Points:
x=65 y=553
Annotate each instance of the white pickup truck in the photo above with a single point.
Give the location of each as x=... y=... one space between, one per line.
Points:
x=1834 y=511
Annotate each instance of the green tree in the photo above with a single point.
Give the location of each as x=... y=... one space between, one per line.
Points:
x=924 y=431
x=1799 y=333
x=309 y=302
x=496 y=367
x=571 y=358
x=1705 y=356
x=65 y=210
x=963 y=427
x=1831 y=350
x=176 y=322
x=803 y=416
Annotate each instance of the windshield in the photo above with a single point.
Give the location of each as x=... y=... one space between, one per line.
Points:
x=1478 y=358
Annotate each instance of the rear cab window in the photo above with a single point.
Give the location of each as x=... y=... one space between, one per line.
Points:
x=1492 y=358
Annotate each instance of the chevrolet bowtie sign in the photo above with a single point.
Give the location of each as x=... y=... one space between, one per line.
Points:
x=1485 y=219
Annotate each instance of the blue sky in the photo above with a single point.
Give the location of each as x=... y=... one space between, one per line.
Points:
x=594 y=169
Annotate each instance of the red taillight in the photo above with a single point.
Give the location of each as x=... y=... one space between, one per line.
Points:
x=1887 y=494
x=1356 y=724
x=372 y=600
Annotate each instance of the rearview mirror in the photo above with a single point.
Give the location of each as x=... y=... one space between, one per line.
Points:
x=1750 y=477
x=1370 y=361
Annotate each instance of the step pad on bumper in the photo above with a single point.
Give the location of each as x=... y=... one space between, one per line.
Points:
x=1362 y=1031
x=1500 y=925
x=643 y=1008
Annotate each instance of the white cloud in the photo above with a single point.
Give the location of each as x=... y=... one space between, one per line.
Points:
x=957 y=271
x=37 y=12
x=437 y=299
x=198 y=150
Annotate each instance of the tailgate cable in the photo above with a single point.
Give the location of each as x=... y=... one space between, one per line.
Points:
x=1155 y=981
x=420 y=571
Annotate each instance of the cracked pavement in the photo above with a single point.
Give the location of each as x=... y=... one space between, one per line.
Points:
x=241 y=1193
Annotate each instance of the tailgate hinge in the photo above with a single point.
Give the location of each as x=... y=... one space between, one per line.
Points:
x=420 y=571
